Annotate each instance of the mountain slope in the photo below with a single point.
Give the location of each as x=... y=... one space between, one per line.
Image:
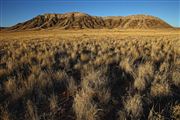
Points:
x=136 y=21
x=76 y=20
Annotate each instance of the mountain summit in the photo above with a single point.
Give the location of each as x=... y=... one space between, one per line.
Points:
x=77 y=20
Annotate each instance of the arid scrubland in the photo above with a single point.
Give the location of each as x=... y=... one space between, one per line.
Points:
x=86 y=77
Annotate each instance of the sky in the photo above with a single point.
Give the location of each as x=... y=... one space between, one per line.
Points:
x=16 y=11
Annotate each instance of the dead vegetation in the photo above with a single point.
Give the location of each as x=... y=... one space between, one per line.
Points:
x=90 y=79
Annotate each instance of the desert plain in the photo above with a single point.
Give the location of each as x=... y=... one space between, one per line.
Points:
x=90 y=74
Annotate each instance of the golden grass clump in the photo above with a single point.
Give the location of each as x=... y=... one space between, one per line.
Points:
x=97 y=82
x=2 y=72
x=4 y=114
x=146 y=71
x=84 y=108
x=10 y=86
x=153 y=115
x=140 y=84
x=134 y=106
x=176 y=111
x=84 y=57
x=176 y=78
x=93 y=85
x=53 y=103
x=126 y=65
x=144 y=77
x=31 y=111
x=160 y=89
x=72 y=87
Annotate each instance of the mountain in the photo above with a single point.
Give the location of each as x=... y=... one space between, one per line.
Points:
x=77 y=20
x=1 y=28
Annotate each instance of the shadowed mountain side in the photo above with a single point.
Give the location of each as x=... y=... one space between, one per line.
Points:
x=76 y=20
x=2 y=28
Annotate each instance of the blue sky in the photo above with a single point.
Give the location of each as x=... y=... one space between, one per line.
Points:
x=15 y=11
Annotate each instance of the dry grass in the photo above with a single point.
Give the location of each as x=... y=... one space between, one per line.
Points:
x=4 y=114
x=160 y=89
x=176 y=111
x=153 y=115
x=176 y=78
x=134 y=106
x=84 y=108
x=31 y=112
x=85 y=75
x=144 y=77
